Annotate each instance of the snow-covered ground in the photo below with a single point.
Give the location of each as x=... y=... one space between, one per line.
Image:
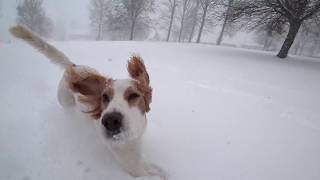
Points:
x=217 y=113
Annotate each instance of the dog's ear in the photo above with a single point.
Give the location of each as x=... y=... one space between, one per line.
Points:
x=85 y=81
x=138 y=71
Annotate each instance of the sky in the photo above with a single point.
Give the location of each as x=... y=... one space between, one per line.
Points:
x=71 y=12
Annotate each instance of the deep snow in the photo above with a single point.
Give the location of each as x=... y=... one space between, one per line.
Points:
x=217 y=113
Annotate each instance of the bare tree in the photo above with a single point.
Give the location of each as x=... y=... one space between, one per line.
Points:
x=205 y=5
x=302 y=39
x=191 y=21
x=137 y=10
x=171 y=5
x=128 y=19
x=185 y=8
x=308 y=38
x=271 y=28
x=295 y=12
x=32 y=15
x=194 y=18
x=315 y=26
x=226 y=19
x=97 y=11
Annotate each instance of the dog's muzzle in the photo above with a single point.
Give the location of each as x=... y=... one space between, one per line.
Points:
x=112 y=122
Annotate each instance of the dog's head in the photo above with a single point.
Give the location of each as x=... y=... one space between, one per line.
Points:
x=119 y=105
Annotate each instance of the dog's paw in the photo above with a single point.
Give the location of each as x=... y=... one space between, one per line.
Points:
x=156 y=171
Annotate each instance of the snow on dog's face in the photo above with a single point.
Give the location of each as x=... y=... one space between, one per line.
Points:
x=119 y=105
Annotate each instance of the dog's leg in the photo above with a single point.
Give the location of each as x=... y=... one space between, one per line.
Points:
x=129 y=157
x=65 y=97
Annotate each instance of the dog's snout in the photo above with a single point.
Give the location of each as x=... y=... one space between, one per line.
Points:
x=112 y=122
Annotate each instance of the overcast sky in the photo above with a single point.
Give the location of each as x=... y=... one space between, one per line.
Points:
x=74 y=12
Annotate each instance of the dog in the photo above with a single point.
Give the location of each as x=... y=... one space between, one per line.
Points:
x=119 y=106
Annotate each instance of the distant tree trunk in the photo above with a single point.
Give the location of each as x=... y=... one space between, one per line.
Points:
x=99 y=37
x=222 y=32
x=293 y=30
x=315 y=47
x=270 y=43
x=98 y=18
x=296 y=48
x=32 y=15
x=224 y=23
x=99 y=33
x=304 y=41
x=132 y=30
x=194 y=21
x=192 y=30
x=184 y=9
x=268 y=39
x=181 y=27
x=303 y=45
x=203 y=19
x=171 y=19
x=266 y=43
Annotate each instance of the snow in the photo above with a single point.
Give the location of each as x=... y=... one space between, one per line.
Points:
x=217 y=113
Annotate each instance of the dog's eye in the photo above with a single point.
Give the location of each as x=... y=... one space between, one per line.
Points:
x=105 y=98
x=133 y=96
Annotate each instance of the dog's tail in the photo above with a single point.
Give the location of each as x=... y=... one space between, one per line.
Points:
x=52 y=53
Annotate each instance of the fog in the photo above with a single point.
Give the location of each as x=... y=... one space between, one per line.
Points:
x=73 y=13
x=234 y=87
x=196 y=21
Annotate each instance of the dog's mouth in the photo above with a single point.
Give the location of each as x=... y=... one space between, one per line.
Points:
x=113 y=134
x=116 y=135
x=118 y=138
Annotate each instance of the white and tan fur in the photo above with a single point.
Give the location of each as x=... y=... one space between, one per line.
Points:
x=108 y=101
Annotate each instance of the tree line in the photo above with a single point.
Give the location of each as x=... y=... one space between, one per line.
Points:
x=297 y=22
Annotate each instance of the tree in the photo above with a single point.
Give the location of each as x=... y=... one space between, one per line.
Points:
x=136 y=10
x=194 y=18
x=226 y=19
x=185 y=8
x=32 y=15
x=315 y=26
x=97 y=11
x=171 y=5
x=294 y=11
x=128 y=19
x=272 y=28
x=308 y=37
x=205 y=6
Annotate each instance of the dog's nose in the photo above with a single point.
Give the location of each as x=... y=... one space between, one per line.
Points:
x=112 y=122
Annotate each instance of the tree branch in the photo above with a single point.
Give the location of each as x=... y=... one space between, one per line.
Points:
x=313 y=11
